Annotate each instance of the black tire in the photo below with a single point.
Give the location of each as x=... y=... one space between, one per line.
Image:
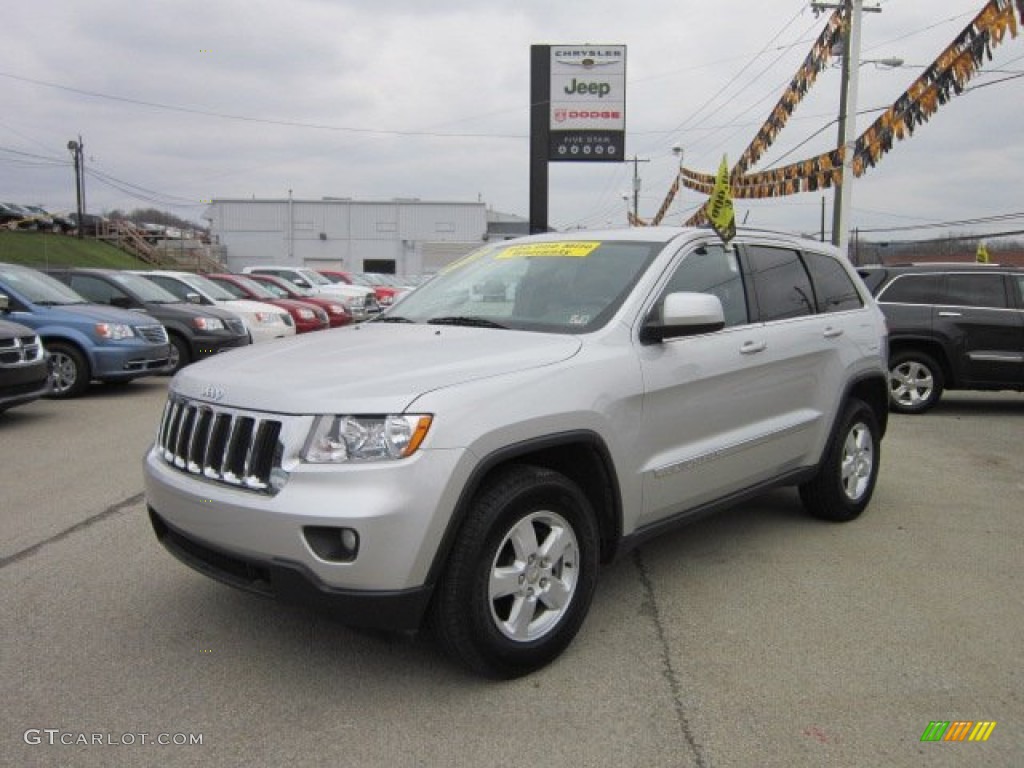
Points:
x=849 y=469
x=497 y=573
x=915 y=382
x=180 y=356
x=69 y=370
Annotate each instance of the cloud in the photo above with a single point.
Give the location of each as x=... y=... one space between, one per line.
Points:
x=398 y=99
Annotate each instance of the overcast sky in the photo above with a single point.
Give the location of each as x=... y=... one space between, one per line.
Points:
x=182 y=101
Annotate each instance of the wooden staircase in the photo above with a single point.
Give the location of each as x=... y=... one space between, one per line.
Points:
x=129 y=240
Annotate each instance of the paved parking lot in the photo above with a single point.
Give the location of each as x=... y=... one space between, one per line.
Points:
x=759 y=637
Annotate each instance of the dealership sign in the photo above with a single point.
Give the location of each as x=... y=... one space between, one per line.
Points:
x=587 y=119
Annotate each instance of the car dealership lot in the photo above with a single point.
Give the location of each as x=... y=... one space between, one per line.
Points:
x=756 y=637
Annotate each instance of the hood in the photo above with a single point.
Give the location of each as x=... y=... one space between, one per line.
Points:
x=371 y=368
x=99 y=313
x=343 y=290
x=249 y=307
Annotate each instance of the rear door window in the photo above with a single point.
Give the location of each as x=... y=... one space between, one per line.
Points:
x=963 y=290
x=833 y=287
x=781 y=284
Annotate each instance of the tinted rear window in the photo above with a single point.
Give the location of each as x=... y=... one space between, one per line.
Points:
x=832 y=284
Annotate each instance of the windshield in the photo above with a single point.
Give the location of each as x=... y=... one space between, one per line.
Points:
x=38 y=288
x=145 y=290
x=256 y=289
x=561 y=287
x=208 y=287
x=315 y=278
x=275 y=283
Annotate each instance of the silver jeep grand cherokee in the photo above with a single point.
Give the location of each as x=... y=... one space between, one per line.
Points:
x=474 y=455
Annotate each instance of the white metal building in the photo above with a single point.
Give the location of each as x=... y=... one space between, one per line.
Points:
x=401 y=236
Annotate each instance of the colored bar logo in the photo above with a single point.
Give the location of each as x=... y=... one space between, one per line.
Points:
x=958 y=730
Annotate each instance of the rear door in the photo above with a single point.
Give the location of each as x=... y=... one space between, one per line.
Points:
x=977 y=313
x=727 y=410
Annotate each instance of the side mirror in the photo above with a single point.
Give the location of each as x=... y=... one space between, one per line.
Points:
x=684 y=314
x=5 y=303
x=124 y=302
x=193 y=298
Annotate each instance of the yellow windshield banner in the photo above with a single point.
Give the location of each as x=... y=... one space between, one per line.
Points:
x=719 y=207
x=575 y=250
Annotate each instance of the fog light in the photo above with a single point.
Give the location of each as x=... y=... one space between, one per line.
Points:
x=335 y=545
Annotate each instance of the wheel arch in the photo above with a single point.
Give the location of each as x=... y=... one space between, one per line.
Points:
x=581 y=456
x=873 y=390
x=934 y=349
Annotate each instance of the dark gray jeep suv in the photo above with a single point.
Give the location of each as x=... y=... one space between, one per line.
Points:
x=951 y=326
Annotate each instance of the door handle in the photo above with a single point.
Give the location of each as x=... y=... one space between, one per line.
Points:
x=750 y=347
x=947 y=313
x=831 y=333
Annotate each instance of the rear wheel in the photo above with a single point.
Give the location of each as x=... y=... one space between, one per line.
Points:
x=521 y=574
x=846 y=478
x=69 y=370
x=915 y=382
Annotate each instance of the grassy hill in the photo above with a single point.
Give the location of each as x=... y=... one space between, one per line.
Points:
x=42 y=249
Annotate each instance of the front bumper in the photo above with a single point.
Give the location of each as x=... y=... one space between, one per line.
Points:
x=260 y=542
x=261 y=332
x=291 y=582
x=129 y=361
x=23 y=384
x=210 y=344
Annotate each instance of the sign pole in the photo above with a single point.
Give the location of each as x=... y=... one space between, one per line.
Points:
x=540 y=103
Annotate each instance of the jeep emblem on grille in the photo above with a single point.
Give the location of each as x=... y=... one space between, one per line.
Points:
x=212 y=393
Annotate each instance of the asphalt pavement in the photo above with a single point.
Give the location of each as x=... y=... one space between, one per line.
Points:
x=758 y=637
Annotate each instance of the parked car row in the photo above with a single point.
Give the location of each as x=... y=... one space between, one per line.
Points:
x=33 y=217
x=62 y=328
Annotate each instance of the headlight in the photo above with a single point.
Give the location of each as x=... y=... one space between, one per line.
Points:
x=336 y=309
x=114 y=331
x=306 y=314
x=267 y=318
x=208 y=323
x=339 y=439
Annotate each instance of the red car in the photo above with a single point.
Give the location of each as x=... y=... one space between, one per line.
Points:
x=337 y=312
x=386 y=294
x=308 y=317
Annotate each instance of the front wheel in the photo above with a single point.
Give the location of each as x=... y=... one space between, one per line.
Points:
x=846 y=477
x=521 y=574
x=69 y=370
x=915 y=382
x=180 y=355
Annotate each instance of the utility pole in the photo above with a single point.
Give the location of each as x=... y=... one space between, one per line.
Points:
x=636 y=182
x=847 y=116
x=75 y=147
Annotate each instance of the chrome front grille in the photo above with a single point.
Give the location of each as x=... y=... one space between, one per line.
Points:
x=156 y=334
x=20 y=350
x=236 y=325
x=238 y=448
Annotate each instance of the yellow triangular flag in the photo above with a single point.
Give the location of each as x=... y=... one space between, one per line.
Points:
x=719 y=207
x=982 y=255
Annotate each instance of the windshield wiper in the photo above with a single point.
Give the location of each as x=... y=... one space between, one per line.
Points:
x=392 y=319
x=467 y=320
